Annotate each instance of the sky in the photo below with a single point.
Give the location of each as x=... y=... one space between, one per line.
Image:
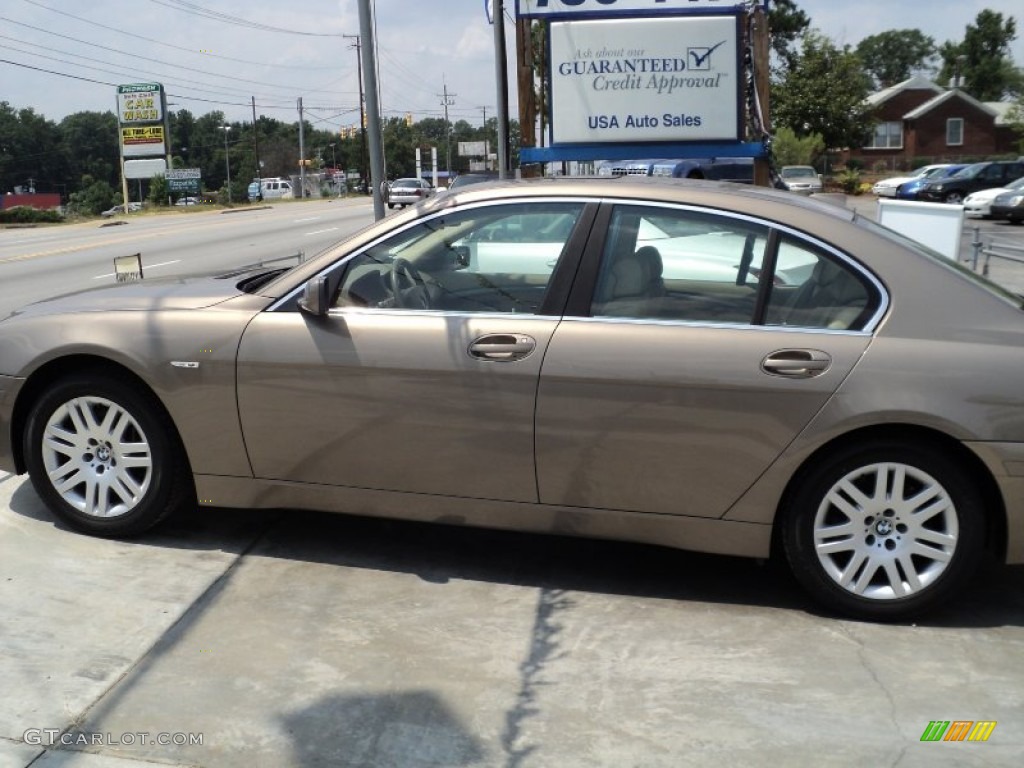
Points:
x=217 y=54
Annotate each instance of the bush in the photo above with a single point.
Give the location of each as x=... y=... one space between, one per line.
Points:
x=849 y=181
x=25 y=214
x=855 y=164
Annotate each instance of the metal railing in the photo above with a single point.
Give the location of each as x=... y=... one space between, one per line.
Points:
x=993 y=249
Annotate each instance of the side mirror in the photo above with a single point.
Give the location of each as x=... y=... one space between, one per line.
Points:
x=315 y=299
x=462 y=255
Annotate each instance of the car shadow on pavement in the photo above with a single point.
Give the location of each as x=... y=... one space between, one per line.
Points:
x=439 y=553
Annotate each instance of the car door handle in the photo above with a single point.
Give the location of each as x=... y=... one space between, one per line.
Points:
x=503 y=347
x=797 y=363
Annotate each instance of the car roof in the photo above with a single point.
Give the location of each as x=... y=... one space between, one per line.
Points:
x=715 y=194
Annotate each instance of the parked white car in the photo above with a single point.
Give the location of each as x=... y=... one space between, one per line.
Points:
x=978 y=205
x=888 y=187
x=802 y=179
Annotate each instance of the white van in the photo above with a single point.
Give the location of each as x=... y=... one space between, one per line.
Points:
x=271 y=188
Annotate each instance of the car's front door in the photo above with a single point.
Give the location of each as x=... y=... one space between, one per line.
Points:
x=423 y=375
x=685 y=375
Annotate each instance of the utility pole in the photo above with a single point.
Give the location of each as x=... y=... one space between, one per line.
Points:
x=256 y=146
x=501 y=75
x=364 y=171
x=527 y=101
x=302 y=153
x=372 y=109
x=447 y=100
x=487 y=144
x=227 y=161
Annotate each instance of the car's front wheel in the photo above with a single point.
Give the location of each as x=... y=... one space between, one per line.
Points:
x=954 y=198
x=104 y=456
x=884 y=530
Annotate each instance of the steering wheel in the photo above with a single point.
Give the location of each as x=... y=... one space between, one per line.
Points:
x=402 y=271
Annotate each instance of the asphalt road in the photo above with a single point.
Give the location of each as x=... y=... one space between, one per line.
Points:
x=48 y=261
x=294 y=639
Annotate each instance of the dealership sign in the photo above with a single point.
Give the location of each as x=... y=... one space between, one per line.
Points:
x=534 y=8
x=645 y=80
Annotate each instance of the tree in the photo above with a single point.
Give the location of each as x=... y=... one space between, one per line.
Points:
x=786 y=24
x=94 y=197
x=91 y=146
x=891 y=57
x=982 y=59
x=824 y=93
x=790 y=149
x=30 y=151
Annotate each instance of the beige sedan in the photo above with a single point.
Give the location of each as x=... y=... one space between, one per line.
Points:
x=687 y=364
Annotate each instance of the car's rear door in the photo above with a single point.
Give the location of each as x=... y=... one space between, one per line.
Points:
x=672 y=397
x=423 y=376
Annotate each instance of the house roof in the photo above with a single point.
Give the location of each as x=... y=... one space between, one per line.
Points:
x=942 y=98
x=915 y=83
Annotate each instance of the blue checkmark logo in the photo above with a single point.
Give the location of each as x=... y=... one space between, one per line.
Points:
x=700 y=58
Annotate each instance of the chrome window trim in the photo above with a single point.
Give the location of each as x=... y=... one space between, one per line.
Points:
x=707 y=324
x=869 y=326
x=297 y=290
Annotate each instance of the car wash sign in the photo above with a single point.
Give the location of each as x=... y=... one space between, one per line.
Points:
x=140 y=103
x=637 y=80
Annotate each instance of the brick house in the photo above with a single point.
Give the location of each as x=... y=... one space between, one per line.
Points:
x=921 y=121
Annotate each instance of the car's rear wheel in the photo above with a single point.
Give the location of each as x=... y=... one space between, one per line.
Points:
x=104 y=456
x=884 y=530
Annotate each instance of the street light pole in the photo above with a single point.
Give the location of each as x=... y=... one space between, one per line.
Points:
x=227 y=159
x=334 y=167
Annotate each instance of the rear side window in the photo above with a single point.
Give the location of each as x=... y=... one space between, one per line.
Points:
x=667 y=264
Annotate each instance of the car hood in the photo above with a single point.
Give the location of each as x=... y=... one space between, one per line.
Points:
x=986 y=194
x=174 y=293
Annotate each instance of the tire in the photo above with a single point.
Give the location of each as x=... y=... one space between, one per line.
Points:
x=884 y=551
x=105 y=457
x=391 y=206
x=954 y=198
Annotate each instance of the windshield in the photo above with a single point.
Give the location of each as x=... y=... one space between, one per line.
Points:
x=798 y=172
x=970 y=171
x=931 y=172
x=406 y=183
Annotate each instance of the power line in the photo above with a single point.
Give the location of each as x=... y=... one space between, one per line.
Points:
x=198 y=10
x=136 y=36
x=292 y=88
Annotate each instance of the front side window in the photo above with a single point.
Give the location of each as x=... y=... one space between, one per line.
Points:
x=887 y=135
x=497 y=258
x=665 y=264
x=955 y=131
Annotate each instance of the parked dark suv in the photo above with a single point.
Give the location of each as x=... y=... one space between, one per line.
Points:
x=954 y=189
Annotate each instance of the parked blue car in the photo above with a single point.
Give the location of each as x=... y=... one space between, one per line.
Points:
x=909 y=190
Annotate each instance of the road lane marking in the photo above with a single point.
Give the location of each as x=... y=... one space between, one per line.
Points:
x=144 y=267
x=321 y=231
x=303 y=221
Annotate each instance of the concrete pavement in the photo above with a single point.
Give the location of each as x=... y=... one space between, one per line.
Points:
x=298 y=639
